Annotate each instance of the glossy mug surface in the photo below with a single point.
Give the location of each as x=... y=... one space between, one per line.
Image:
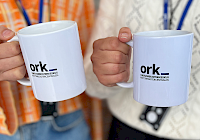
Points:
x=161 y=67
x=53 y=60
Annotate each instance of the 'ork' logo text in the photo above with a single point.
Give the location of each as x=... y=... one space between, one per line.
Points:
x=41 y=71
x=37 y=67
x=152 y=73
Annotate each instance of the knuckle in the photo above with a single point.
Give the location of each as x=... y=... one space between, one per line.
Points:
x=118 y=57
x=103 y=81
x=19 y=60
x=116 y=69
x=94 y=60
x=95 y=44
x=3 y=65
x=119 y=78
x=14 y=47
x=19 y=73
x=114 y=42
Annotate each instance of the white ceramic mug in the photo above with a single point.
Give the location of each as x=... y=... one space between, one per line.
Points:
x=53 y=59
x=161 y=67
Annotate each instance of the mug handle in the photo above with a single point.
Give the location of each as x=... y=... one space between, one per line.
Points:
x=24 y=81
x=126 y=84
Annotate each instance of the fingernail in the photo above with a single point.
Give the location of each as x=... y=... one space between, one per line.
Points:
x=7 y=33
x=124 y=35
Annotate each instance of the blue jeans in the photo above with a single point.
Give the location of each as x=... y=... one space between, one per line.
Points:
x=66 y=127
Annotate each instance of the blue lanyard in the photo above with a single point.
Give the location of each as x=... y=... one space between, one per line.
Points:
x=165 y=16
x=26 y=15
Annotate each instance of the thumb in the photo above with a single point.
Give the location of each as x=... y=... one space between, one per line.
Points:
x=5 y=33
x=124 y=34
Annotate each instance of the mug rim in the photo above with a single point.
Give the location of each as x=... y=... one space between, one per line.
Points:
x=144 y=34
x=45 y=23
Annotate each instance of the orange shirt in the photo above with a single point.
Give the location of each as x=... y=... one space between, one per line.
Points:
x=18 y=105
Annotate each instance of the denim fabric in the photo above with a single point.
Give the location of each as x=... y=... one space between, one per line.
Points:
x=66 y=127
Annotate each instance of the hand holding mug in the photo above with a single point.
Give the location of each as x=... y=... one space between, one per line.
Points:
x=53 y=59
x=12 y=66
x=161 y=66
x=111 y=58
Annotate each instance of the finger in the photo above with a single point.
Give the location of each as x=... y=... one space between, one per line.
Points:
x=5 y=33
x=125 y=34
x=11 y=62
x=109 y=80
x=13 y=74
x=9 y=49
x=110 y=57
x=112 y=44
x=109 y=69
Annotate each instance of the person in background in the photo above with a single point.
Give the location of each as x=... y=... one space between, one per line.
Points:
x=107 y=62
x=21 y=115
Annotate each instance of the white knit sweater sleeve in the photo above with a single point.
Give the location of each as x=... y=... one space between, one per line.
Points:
x=104 y=27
